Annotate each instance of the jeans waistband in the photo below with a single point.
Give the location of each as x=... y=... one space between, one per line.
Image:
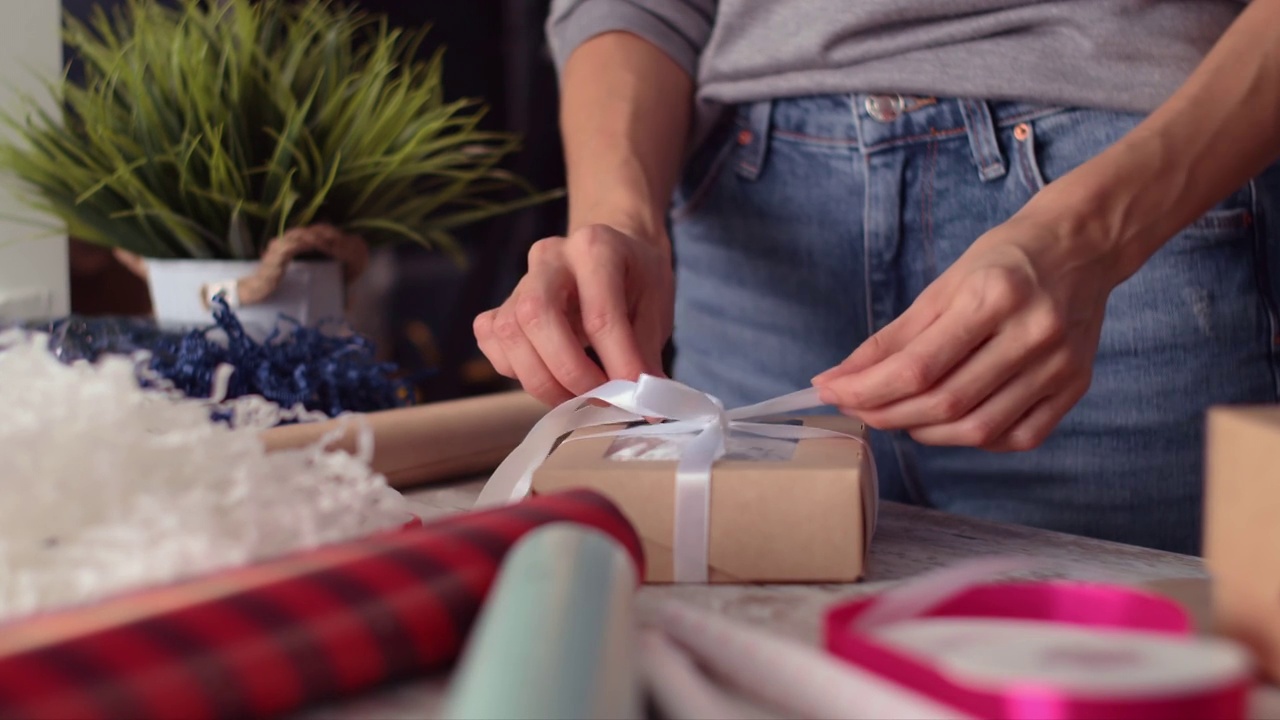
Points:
x=877 y=122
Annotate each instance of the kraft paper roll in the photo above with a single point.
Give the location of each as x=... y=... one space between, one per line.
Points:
x=432 y=442
x=556 y=637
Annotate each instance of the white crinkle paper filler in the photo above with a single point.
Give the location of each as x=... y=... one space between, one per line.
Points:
x=108 y=487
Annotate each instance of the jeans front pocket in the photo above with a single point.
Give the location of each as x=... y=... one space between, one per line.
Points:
x=704 y=167
x=1230 y=222
x=1047 y=149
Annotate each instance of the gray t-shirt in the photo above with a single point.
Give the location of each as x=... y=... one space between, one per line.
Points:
x=1114 y=54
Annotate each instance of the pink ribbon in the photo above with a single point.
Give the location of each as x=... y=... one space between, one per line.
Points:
x=853 y=632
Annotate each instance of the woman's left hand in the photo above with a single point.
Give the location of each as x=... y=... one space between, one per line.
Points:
x=996 y=351
x=1000 y=347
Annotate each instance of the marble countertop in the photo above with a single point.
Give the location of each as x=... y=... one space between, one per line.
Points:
x=908 y=541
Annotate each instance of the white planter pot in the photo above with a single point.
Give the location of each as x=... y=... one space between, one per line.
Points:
x=311 y=291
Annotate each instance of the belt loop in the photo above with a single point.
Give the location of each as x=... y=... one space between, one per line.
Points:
x=982 y=139
x=755 y=141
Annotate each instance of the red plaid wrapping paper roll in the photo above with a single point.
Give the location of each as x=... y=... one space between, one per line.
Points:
x=275 y=637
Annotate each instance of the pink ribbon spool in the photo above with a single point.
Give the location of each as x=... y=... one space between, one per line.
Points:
x=1109 y=611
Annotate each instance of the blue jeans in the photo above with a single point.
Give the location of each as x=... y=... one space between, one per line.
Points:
x=806 y=224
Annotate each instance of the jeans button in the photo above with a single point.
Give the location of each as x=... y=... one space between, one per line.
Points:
x=884 y=108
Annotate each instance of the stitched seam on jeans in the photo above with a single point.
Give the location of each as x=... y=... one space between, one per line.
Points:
x=1225 y=220
x=748 y=168
x=1027 y=117
x=1027 y=159
x=700 y=192
x=814 y=139
x=953 y=132
x=939 y=134
x=926 y=211
x=979 y=136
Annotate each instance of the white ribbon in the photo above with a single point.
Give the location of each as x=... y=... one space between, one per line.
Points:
x=683 y=410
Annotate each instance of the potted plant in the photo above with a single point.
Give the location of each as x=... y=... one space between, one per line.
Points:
x=257 y=148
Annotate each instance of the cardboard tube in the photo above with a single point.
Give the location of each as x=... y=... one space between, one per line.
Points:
x=428 y=443
x=555 y=639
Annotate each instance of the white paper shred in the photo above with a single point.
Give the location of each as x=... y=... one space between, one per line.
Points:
x=106 y=487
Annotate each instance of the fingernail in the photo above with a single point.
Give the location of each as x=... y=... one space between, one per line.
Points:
x=827 y=396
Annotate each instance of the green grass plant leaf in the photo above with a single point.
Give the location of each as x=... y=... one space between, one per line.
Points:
x=206 y=130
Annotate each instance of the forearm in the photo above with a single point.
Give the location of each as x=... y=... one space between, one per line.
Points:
x=625 y=114
x=1221 y=128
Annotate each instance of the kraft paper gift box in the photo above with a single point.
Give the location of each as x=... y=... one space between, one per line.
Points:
x=781 y=510
x=1242 y=528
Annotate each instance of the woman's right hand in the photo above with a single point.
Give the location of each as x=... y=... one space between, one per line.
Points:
x=607 y=285
x=598 y=287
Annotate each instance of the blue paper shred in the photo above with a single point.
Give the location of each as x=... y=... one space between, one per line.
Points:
x=326 y=368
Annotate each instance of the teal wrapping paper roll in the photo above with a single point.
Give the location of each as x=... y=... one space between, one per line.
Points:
x=556 y=638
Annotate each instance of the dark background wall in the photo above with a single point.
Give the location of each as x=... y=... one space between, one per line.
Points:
x=495 y=50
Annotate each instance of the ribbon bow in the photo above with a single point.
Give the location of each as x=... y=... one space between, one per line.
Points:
x=682 y=410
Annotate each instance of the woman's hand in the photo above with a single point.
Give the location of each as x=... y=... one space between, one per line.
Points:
x=1001 y=346
x=624 y=113
x=996 y=351
x=598 y=287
